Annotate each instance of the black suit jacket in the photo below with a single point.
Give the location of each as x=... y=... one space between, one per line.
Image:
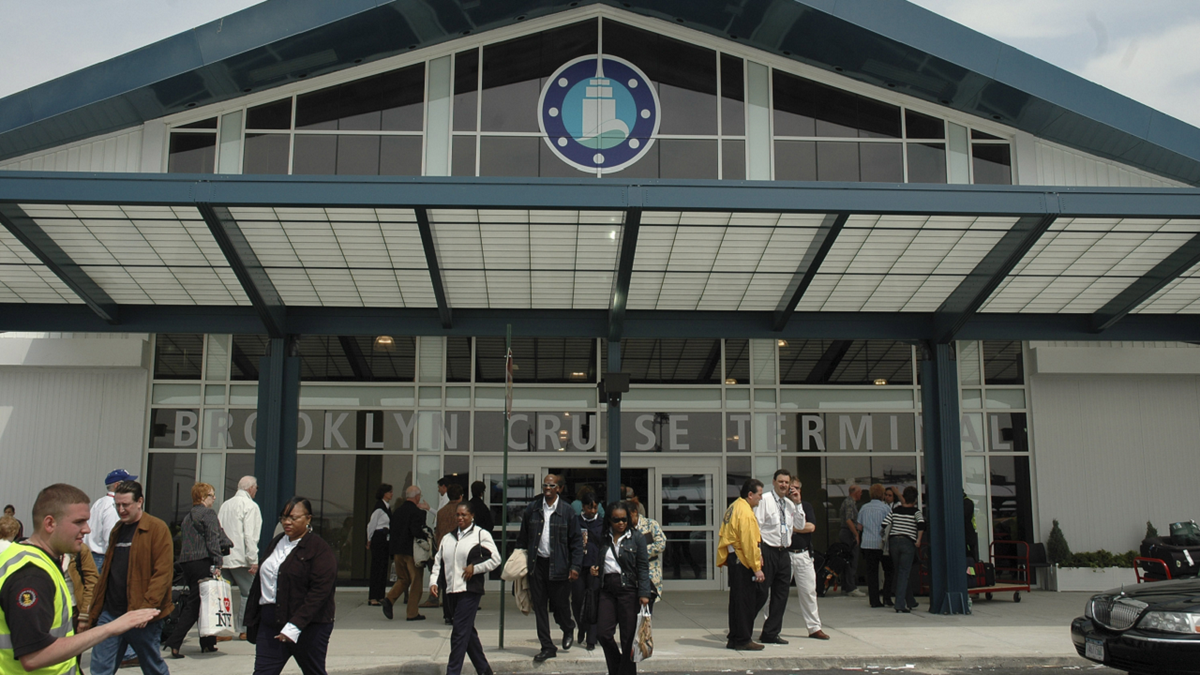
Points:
x=408 y=523
x=304 y=591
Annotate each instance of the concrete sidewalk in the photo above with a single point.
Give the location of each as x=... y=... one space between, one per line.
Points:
x=689 y=635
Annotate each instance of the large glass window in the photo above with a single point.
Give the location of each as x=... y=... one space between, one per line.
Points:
x=177 y=356
x=514 y=72
x=558 y=360
x=670 y=361
x=845 y=362
x=1002 y=362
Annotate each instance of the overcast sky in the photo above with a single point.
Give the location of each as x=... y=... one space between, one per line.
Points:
x=1146 y=49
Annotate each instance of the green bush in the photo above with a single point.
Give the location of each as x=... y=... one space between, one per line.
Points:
x=1100 y=558
x=1150 y=531
x=1057 y=550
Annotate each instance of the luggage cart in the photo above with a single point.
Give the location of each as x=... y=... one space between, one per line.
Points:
x=1012 y=571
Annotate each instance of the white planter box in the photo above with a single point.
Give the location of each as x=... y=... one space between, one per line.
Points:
x=1089 y=578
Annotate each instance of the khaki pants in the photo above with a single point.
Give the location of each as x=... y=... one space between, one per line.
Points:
x=409 y=574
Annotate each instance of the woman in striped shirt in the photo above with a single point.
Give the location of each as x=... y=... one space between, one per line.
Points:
x=908 y=526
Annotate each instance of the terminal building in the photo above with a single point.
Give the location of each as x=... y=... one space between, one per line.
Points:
x=294 y=243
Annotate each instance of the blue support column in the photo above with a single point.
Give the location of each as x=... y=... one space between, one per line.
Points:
x=943 y=479
x=614 y=428
x=275 y=440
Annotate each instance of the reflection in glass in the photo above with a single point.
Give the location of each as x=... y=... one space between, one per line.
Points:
x=687 y=499
x=687 y=158
x=1011 y=499
x=275 y=115
x=669 y=361
x=1003 y=362
x=837 y=162
x=512 y=156
x=733 y=160
x=192 y=153
x=392 y=101
x=685 y=74
x=795 y=160
x=733 y=96
x=174 y=428
x=266 y=154
x=845 y=362
x=168 y=486
x=558 y=360
x=805 y=108
x=514 y=71
x=917 y=125
x=462 y=156
x=687 y=554
x=926 y=163
x=1008 y=432
x=177 y=356
x=881 y=162
x=522 y=488
x=466 y=90
x=737 y=472
x=992 y=164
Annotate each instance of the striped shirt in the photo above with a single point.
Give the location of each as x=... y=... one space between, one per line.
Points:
x=871 y=518
x=906 y=522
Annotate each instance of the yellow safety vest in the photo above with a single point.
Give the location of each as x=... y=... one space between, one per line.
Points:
x=12 y=559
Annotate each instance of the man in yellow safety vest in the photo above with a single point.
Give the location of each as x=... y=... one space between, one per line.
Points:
x=35 y=601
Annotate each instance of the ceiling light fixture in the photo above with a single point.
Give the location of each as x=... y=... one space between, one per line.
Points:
x=880 y=382
x=385 y=343
x=781 y=342
x=731 y=380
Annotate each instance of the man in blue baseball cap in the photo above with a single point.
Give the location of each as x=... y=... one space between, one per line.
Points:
x=102 y=521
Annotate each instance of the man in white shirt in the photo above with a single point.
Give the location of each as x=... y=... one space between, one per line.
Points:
x=242 y=521
x=775 y=515
x=104 y=517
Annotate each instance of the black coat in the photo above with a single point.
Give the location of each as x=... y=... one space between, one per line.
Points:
x=408 y=523
x=483 y=515
x=566 y=544
x=634 y=560
x=304 y=590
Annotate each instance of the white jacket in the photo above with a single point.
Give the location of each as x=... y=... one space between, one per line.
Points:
x=102 y=521
x=242 y=521
x=452 y=553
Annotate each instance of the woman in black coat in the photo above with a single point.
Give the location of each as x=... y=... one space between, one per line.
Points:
x=290 y=610
x=624 y=570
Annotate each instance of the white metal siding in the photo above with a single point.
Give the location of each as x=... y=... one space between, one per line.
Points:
x=118 y=152
x=1057 y=165
x=68 y=425
x=1113 y=452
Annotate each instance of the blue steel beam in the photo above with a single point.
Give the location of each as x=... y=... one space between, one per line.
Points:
x=591 y=194
x=435 y=271
x=903 y=326
x=249 y=271
x=34 y=238
x=964 y=301
x=1171 y=268
x=806 y=270
x=623 y=274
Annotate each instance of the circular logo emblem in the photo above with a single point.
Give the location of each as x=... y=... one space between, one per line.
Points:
x=599 y=113
x=27 y=598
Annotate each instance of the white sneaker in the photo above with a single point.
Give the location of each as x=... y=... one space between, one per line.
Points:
x=856 y=593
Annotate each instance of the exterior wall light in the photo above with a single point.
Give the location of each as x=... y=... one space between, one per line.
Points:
x=385 y=343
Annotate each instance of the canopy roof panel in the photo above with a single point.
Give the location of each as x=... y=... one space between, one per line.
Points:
x=886 y=43
x=689 y=258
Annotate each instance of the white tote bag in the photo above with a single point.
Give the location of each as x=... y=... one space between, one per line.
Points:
x=216 y=609
x=643 y=640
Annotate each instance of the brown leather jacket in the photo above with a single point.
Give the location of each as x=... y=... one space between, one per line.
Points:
x=83 y=583
x=151 y=569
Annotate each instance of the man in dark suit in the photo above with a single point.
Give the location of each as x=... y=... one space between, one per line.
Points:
x=479 y=509
x=408 y=523
x=554 y=547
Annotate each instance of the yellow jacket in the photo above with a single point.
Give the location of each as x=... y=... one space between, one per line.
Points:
x=739 y=529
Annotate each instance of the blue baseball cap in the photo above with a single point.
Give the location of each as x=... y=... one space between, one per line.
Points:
x=117 y=476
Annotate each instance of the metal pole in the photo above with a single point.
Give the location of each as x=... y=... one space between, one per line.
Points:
x=504 y=478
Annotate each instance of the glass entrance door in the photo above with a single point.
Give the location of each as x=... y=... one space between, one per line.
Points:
x=677 y=492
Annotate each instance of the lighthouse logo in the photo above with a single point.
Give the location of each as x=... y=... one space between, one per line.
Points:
x=599 y=113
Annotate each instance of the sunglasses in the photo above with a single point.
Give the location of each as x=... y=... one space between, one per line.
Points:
x=618 y=520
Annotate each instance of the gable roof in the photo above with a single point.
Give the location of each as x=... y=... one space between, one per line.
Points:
x=887 y=43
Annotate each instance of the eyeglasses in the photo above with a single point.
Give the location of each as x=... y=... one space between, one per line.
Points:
x=549 y=485
x=618 y=520
x=292 y=519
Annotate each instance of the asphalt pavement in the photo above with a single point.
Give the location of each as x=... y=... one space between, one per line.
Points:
x=689 y=635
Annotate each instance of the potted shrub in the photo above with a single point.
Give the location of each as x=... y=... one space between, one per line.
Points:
x=1091 y=571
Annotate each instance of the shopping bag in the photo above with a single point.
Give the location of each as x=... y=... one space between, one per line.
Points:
x=216 y=609
x=643 y=641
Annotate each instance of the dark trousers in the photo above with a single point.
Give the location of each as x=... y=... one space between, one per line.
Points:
x=889 y=579
x=618 y=607
x=447 y=608
x=380 y=559
x=850 y=577
x=742 y=590
x=543 y=591
x=777 y=568
x=464 y=640
x=904 y=550
x=194 y=572
x=586 y=583
x=271 y=655
x=871 y=558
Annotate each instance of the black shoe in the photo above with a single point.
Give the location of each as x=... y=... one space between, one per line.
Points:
x=568 y=640
x=904 y=611
x=419 y=617
x=175 y=654
x=879 y=605
x=748 y=646
x=914 y=605
x=543 y=655
x=887 y=602
x=387 y=608
x=591 y=646
x=208 y=650
x=773 y=641
x=449 y=622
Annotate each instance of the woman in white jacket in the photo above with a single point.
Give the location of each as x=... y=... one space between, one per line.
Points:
x=467 y=554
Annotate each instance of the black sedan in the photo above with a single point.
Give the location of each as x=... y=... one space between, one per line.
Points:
x=1151 y=628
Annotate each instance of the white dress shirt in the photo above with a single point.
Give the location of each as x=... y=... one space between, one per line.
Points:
x=775 y=515
x=544 y=541
x=611 y=566
x=102 y=521
x=380 y=520
x=269 y=579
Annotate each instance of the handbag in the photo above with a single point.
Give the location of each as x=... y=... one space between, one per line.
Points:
x=423 y=547
x=216 y=609
x=589 y=613
x=643 y=639
x=887 y=535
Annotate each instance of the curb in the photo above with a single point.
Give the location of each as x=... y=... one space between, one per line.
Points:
x=713 y=664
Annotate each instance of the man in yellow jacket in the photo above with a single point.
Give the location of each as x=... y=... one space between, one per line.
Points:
x=35 y=603
x=740 y=537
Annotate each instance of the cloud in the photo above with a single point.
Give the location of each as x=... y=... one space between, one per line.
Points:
x=1160 y=68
